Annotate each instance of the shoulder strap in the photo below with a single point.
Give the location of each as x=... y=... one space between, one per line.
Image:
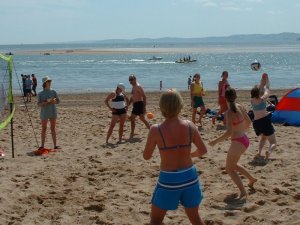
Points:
x=190 y=133
x=162 y=137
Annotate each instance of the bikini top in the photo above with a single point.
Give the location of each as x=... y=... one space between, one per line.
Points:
x=237 y=120
x=175 y=146
x=261 y=106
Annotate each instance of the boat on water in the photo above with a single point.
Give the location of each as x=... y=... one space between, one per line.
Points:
x=155 y=58
x=186 y=61
x=9 y=53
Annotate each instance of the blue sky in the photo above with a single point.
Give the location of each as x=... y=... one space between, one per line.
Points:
x=40 y=21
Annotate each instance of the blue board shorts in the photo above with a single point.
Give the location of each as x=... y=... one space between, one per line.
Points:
x=177 y=187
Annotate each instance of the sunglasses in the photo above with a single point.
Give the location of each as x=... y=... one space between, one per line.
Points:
x=131 y=79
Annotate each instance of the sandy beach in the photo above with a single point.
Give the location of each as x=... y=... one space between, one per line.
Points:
x=161 y=50
x=90 y=182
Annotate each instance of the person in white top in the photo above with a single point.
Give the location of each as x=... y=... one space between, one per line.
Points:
x=118 y=107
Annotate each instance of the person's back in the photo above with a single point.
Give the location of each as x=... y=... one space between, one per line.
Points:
x=178 y=181
x=174 y=143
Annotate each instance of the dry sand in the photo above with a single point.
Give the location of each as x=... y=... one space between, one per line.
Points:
x=89 y=182
x=161 y=50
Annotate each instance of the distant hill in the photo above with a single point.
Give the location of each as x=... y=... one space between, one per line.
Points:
x=244 y=38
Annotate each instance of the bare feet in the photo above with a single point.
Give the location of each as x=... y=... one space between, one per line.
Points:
x=199 y=121
x=243 y=196
x=213 y=120
x=267 y=155
x=252 y=182
x=257 y=155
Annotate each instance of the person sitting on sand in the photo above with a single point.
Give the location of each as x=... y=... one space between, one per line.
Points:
x=222 y=86
x=262 y=121
x=178 y=179
x=197 y=93
x=119 y=104
x=138 y=99
x=237 y=122
x=47 y=100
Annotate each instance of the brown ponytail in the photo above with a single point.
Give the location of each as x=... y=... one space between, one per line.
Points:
x=230 y=95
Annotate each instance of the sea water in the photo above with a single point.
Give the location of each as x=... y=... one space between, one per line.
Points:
x=83 y=73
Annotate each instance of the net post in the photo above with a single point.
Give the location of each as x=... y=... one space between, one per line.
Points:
x=12 y=132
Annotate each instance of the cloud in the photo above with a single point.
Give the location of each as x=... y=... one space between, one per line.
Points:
x=273 y=12
x=255 y=1
x=231 y=8
x=206 y=3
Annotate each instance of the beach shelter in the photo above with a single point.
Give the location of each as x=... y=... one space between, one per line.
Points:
x=288 y=109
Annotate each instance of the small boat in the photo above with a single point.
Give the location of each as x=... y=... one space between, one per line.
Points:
x=46 y=53
x=186 y=61
x=9 y=53
x=154 y=58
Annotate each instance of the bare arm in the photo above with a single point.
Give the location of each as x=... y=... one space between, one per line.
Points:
x=127 y=101
x=109 y=97
x=220 y=88
x=246 y=116
x=197 y=140
x=151 y=143
x=144 y=96
x=228 y=132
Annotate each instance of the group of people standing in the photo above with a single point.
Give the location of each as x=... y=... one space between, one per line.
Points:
x=120 y=103
x=29 y=86
x=178 y=180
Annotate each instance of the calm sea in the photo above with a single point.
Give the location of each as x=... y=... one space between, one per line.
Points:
x=102 y=72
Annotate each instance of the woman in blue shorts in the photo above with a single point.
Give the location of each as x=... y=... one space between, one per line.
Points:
x=118 y=107
x=178 y=180
x=262 y=120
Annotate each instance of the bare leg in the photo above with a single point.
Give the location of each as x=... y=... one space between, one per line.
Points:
x=244 y=171
x=194 y=216
x=194 y=115
x=157 y=215
x=132 y=118
x=53 y=131
x=44 y=129
x=142 y=118
x=233 y=156
x=202 y=113
x=121 y=127
x=113 y=122
x=272 y=141
x=262 y=143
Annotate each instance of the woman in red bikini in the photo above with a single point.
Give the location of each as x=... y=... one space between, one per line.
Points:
x=222 y=86
x=237 y=122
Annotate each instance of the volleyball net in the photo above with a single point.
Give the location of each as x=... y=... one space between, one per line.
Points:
x=7 y=108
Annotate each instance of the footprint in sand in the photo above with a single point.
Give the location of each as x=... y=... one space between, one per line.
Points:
x=96 y=208
x=279 y=191
x=250 y=208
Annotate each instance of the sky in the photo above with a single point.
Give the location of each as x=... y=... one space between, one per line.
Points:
x=43 y=21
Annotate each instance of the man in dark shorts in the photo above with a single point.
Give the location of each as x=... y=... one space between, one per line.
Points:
x=34 y=84
x=138 y=99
